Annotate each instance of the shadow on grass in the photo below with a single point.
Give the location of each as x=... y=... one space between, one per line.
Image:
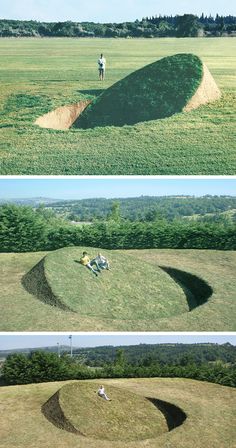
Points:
x=197 y=290
x=35 y=283
x=93 y=92
x=54 y=414
x=173 y=414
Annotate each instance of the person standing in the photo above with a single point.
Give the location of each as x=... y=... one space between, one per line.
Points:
x=101 y=67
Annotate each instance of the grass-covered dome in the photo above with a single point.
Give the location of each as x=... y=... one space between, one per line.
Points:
x=155 y=91
x=77 y=408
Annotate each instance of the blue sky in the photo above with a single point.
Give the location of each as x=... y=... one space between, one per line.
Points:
x=71 y=188
x=108 y=11
x=88 y=340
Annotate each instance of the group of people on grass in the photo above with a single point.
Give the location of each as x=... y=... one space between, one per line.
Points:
x=100 y=262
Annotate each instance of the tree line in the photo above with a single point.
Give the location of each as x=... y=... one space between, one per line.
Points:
x=40 y=366
x=146 y=208
x=23 y=229
x=187 y=25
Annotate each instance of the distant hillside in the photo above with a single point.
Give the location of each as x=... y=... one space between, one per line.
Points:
x=145 y=353
x=148 y=208
x=33 y=202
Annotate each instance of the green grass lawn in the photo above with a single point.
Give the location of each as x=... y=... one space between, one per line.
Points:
x=92 y=416
x=209 y=408
x=38 y=75
x=136 y=295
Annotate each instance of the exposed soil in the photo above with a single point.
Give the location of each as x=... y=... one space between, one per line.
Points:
x=63 y=117
x=207 y=92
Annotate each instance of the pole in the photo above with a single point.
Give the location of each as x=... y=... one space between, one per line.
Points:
x=71 y=349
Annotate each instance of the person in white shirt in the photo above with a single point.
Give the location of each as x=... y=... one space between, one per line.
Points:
x=102 y=394
x=101 y=262
x=101 y=67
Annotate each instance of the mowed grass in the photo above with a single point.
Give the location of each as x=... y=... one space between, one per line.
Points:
x=131 y=290
x=156 y=91
x=38 y=75
x=126 y=417
x=22 y=311
x=210 y=410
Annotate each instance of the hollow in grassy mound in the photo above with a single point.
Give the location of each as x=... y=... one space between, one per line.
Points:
x=77 y=408
x=130 y=290
x=63 y=117
x=197 y=290
x=158 y=90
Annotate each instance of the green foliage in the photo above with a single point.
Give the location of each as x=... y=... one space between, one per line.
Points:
x=37 y=367
x=155 y=91
x=21 y=229
x=41 y=366
x=147 y=27
x=147 y=208
x=188 y=25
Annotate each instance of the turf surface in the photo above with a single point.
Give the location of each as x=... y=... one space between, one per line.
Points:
x=97 y=418
x=209 y=408
x=38 y=75
x=22 y=311
x=156 y=91
x=132 y=289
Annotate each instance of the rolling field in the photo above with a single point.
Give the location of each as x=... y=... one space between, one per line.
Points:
x=145 y=290
x=27 y=421
x=38 y=75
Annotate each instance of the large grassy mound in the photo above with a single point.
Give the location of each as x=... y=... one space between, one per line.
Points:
x=157 y=90
x=127 y=417
x=209 y=408
x=132 y=289
x=22 y=283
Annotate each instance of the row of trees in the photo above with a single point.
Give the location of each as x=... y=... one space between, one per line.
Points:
x=163 y=354
x=42 y=366
x=146 y=208
x=162 y=26
x=22 y=229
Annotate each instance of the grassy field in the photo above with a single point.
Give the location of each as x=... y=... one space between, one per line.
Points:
x=38 y=75
x=36 y=294
x=209 y=408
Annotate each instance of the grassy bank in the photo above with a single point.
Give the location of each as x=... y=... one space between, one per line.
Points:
x=209 y=409
x=38 y=75
x=23 y=310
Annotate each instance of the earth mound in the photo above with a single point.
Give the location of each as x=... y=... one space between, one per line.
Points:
x=130 y=290
x=173 y=84
x=77 y=408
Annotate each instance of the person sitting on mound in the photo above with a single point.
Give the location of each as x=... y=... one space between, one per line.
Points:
x=101 y=262
x=85 y=261
x=102 y=394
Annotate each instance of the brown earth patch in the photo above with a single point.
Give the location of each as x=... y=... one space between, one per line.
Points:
x=63 y=117
x=207 y=92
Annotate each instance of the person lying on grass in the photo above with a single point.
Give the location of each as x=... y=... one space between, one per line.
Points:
x=85 y=261
x=102 y=394
x=101 y=262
